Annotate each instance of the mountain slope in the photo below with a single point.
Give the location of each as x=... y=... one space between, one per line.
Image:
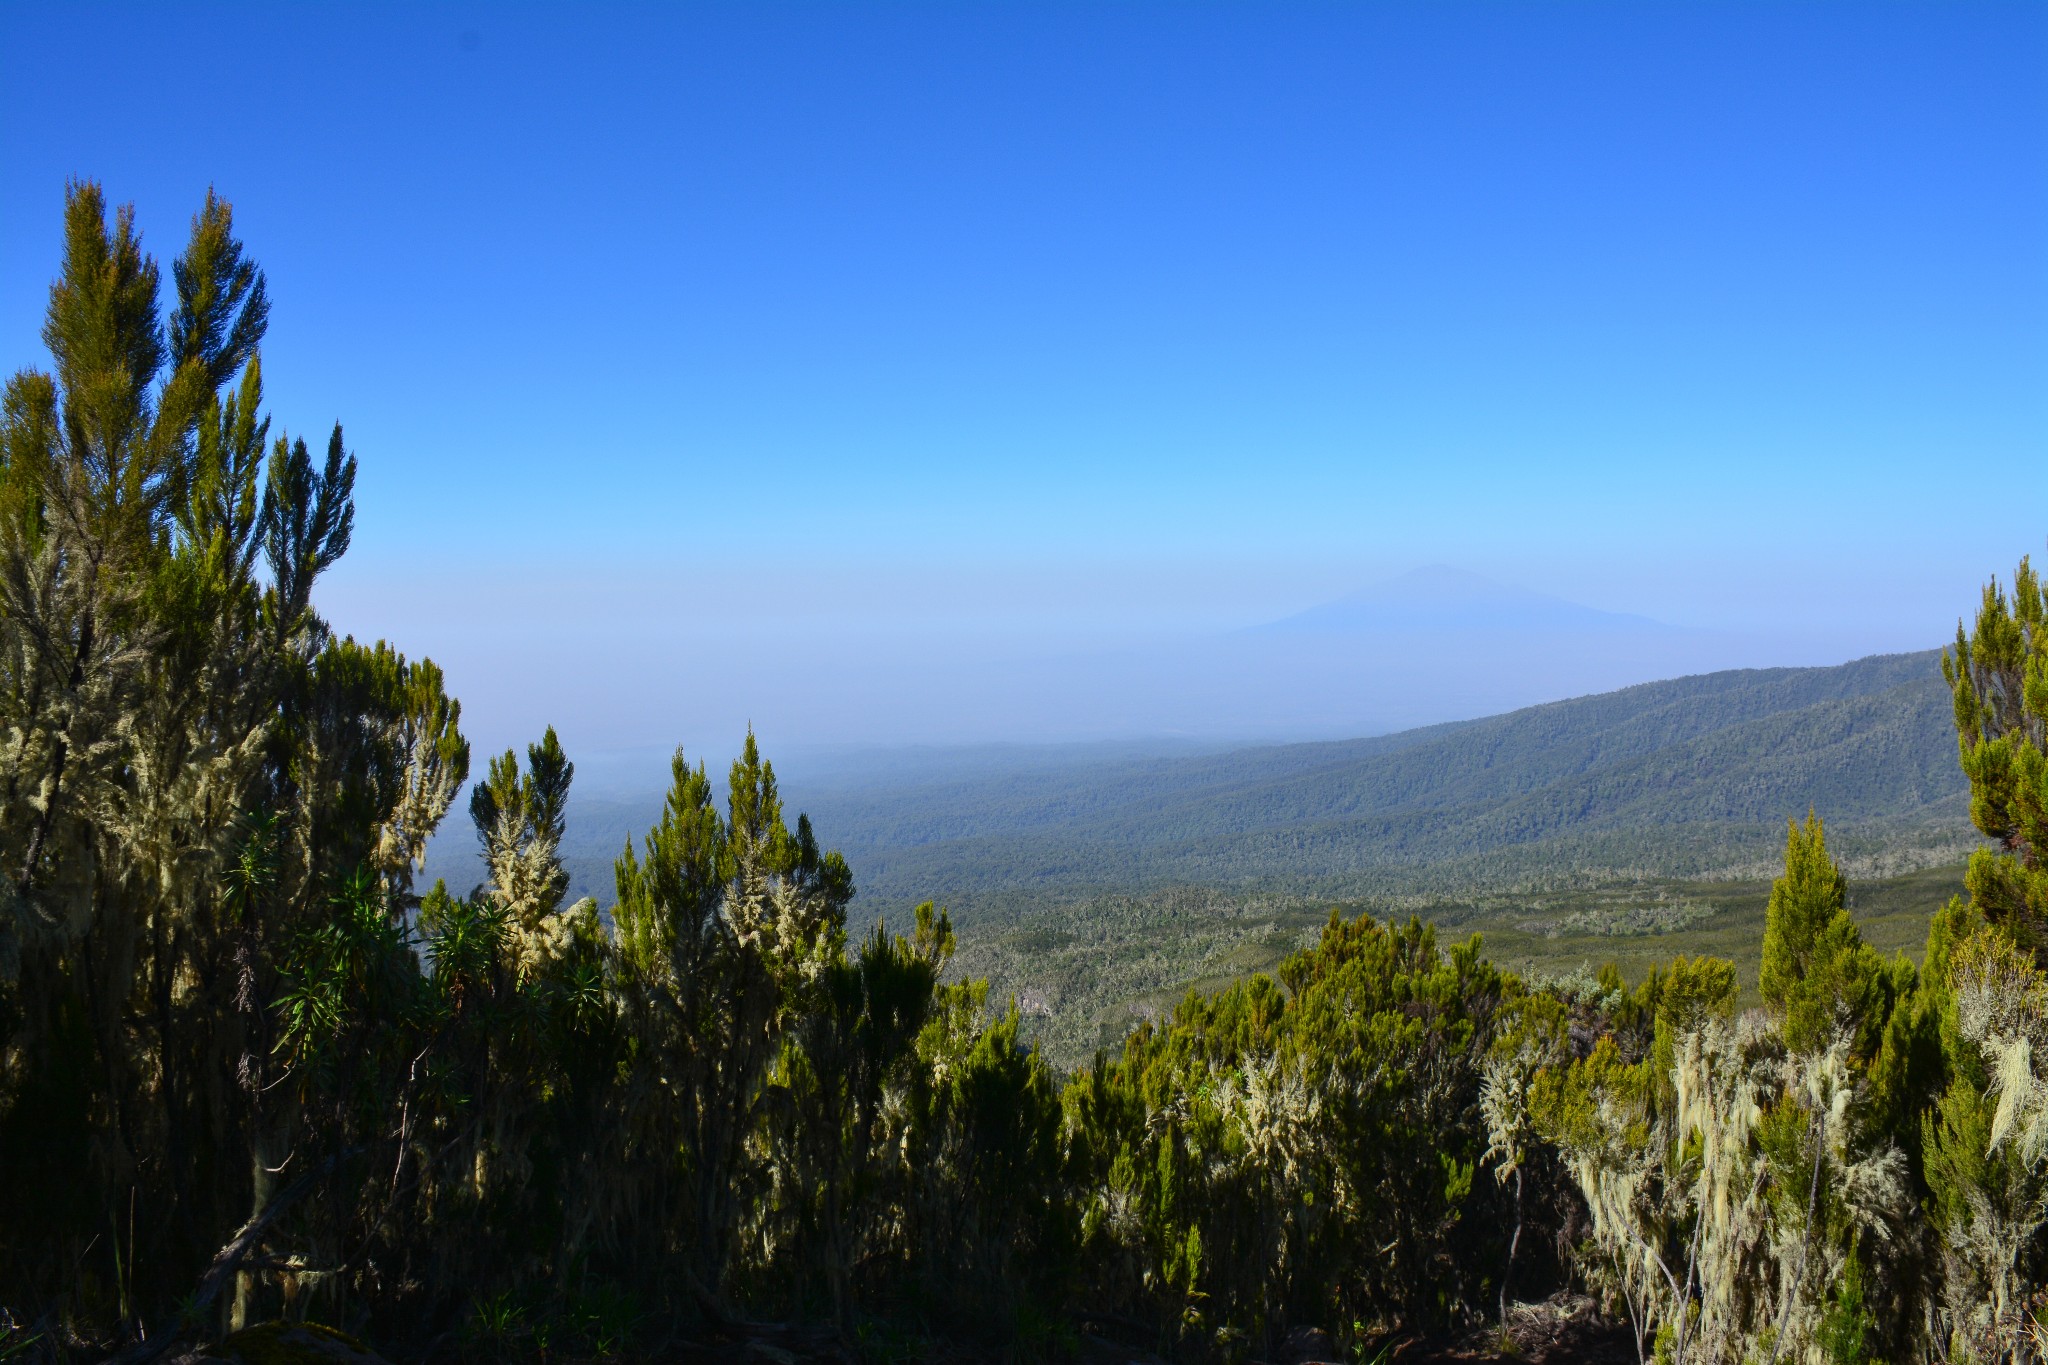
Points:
x=1688 y=776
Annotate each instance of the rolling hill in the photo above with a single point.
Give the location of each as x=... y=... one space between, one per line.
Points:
x=1692 y=777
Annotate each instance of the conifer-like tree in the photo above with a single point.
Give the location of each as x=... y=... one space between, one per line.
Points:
x=1818 y=978
x=1986 y=1172
x=197 y=783
x=1999 y=675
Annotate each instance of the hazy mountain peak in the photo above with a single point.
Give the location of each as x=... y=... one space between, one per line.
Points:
x=1442 y=583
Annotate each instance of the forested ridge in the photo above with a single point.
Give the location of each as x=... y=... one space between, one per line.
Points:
x=252 y=1073
x=1689 y=777
x=1720 y=755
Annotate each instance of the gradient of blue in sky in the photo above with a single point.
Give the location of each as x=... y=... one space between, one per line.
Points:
x=1130 y=317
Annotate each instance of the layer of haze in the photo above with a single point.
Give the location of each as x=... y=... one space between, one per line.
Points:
x=895 y=373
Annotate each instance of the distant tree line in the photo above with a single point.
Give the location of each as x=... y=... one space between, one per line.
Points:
x=249 y=1072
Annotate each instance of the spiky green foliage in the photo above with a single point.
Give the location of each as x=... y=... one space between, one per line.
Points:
x=1817 y=977
x=1986 y=1176
x=1998 y=672
x=1301 y=1150
x=207 y=802
x=726 y=931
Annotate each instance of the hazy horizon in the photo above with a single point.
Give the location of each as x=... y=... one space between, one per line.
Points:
x=950 y=683
x=1047 y=719
x=907 y=374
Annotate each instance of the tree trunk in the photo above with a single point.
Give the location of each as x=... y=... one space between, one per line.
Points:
x=1514 y=1242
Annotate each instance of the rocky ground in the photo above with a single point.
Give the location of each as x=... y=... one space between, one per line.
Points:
x=1565 y=1328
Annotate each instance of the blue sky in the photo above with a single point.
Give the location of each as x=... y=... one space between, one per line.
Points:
x=937 y=322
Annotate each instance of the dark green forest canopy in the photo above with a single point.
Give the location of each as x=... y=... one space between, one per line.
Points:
x=252 y=1073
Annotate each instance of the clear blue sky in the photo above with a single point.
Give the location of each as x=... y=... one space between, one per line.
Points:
x=1147 y=314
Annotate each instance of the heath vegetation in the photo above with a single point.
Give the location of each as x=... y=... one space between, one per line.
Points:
x=251 y=1073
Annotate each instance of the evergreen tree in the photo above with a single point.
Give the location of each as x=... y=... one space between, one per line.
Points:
x=1818 y=978
x=192 y=773
x=1999 y=675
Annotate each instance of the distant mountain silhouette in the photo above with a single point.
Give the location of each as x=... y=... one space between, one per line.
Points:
x=1440 y=598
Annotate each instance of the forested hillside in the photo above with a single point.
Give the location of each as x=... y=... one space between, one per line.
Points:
x=1689 y=777
x=265 y=1096
x=1692 y=777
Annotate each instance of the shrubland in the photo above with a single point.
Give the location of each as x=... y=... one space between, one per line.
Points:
x=250 y=1072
